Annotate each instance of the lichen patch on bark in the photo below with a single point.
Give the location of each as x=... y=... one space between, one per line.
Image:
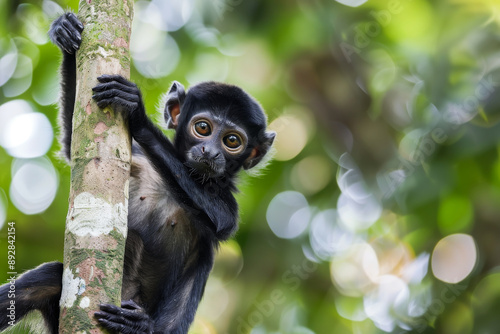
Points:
x=105 y=53
x=85 y=302
x=95 y=217
x=72 y=288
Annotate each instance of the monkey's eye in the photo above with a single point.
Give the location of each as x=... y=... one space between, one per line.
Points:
x=203 y=128
x=232 y=141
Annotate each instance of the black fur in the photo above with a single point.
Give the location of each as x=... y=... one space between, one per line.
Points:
x=180 y=203
x=38 y=289
x=66 y=33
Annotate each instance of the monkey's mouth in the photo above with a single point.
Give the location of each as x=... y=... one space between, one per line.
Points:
x=205 y=168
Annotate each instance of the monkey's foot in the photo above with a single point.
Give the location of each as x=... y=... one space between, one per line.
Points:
x=128 y=319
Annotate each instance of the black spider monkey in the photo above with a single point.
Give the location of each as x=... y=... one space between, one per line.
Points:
x=181 y=203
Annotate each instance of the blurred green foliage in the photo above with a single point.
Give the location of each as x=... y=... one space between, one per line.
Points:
x=399 y=100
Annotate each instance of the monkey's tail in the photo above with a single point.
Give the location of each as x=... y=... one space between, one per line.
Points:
x=36 y=289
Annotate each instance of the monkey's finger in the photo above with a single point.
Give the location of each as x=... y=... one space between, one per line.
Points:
x=114 y=326
x=130 y=304
x=112 y=319
x=117 y=101
x=125 y=319
x=109 y=102
x=66 y=35
x=122 y=102
x=115 y=93
x=74 y=20
x=72 y=32
x=62 y=45
x=65 y=39
x=115 y=77
x=118 y=314
x=113 y=84
x=129 y=319
x=103 y=315
x=109 y=308
x=104 y=103
x=122 y=328
x=135 y=316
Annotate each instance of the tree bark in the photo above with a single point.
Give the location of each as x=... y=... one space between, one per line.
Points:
x=96 y=225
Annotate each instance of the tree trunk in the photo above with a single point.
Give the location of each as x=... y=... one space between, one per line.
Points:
x=96 y=225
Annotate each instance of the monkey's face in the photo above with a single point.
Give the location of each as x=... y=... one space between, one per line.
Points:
x=215 y=145
x=219 y=128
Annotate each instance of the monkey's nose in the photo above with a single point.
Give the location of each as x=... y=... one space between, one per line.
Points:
x=206 y=151
x=209 y=153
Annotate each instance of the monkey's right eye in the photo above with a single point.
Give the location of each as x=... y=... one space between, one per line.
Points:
x=203 y=128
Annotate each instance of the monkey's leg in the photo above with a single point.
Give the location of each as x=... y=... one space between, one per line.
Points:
x=36 y=289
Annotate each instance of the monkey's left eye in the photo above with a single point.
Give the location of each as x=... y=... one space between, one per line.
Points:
x=203 y=128
x=232 y=141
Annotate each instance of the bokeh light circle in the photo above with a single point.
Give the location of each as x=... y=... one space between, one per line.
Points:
x=311 y=174
x=351 y=182
x=23 y=132
x=327 y=237
x=34 y=185
x=151 y=46
x=291 y=138
x=8 y=62
x=172 y=14
x=391 y=294
x=352 y=3
x=355 y=270
x=288 y=214
x=454 y=258
x=358 y=215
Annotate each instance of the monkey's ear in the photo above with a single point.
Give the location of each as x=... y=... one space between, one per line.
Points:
x=260 y=150
x=175 y=98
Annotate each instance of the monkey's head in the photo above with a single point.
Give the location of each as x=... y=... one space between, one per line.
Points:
x=219 y=128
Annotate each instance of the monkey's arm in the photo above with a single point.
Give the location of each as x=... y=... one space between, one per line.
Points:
x=215 y=201
x=176 y=313
x=65 y=32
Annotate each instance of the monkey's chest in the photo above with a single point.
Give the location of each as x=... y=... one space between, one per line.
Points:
x=152 y=206
x=160 y=220
x=162 y=242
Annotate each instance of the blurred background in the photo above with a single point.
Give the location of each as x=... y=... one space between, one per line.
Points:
x=380 y=212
